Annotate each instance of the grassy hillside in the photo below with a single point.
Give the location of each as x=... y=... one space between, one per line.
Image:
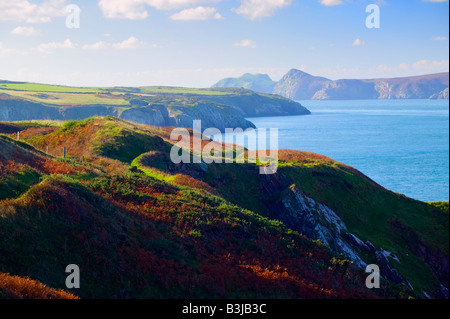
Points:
x=140 y=226
x=134 y=235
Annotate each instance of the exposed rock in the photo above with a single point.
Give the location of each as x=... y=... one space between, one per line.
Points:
x=385 y=270
x=437 y=260
x=443 y=95
x=317 y=221
x=387 y=253
x=370 y=246
x=355 y=241
x=144 y=115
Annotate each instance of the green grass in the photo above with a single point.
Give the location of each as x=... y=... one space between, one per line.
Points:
x=181 y=90
x=389 y=220
x=14 y=184
x=442 y=205
x=124 y=144
x=67 y=98
x=36 y=87
x=371 y=213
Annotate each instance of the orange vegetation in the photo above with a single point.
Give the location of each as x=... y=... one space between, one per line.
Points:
x=14 y=287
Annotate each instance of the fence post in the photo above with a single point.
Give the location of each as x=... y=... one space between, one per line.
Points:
x=64 y=152
x=18 y=136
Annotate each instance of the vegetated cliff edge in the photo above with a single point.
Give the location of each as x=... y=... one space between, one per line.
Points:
x=195 y=230
x=160 y=106
x=299 y=85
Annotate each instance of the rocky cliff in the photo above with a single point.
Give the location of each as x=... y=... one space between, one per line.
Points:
x=299 y=85
x=221 y=108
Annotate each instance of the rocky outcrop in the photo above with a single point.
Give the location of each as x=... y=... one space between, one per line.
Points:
x=318 y=221
x=385 y=270
x=436 y=259
x=443 y=95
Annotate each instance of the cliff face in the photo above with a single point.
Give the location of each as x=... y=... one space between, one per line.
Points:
x=299 y=85
x=17 y=110
x=251 y=104
x=318 y=221
x=221 y=111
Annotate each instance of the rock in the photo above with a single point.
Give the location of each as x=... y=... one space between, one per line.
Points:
x=355 y=241
x=385 y=270
x=370 y=246
x=317 y=221
x=387 y=253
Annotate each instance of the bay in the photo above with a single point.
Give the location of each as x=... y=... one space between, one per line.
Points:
x=401 y=144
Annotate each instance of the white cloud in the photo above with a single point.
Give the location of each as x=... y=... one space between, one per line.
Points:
x=439 y=38
x=24 y=10
x=198 y=13
x=52 y=46
x=358 y=42
x=131 y=43
x=418 y=67
x=330 y=3
x=257 y=9
x=25 y=31
x=96 y=46
x=245 y=44
x=136 y=9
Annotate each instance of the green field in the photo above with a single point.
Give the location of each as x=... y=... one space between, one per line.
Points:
x=58 y=98
x=36 y=87
x=181 y=90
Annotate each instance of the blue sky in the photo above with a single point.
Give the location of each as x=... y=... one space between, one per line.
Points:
x=195 y=43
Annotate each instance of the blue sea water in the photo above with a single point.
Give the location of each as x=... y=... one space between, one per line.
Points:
x=401 y=144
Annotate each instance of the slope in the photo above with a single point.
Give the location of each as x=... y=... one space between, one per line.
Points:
x=137 y=236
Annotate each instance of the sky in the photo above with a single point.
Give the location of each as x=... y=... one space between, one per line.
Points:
x=195 y=43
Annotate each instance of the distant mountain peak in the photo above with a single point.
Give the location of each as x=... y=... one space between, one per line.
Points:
x=256 y=82
x=300 y=85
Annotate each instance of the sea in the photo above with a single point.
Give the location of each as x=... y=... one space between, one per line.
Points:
x=402 y=145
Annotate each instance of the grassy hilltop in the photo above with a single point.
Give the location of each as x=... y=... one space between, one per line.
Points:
x=140 y=226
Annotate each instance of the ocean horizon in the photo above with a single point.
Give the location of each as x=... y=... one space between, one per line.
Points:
x=402 y=145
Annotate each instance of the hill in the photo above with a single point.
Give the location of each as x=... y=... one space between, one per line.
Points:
x=140 y=226
x=162 y=106
x=255 y=82
x=299 y=85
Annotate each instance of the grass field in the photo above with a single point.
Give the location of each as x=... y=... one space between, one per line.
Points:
x=45 y=88
x=58 y=98
x=181 y=90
